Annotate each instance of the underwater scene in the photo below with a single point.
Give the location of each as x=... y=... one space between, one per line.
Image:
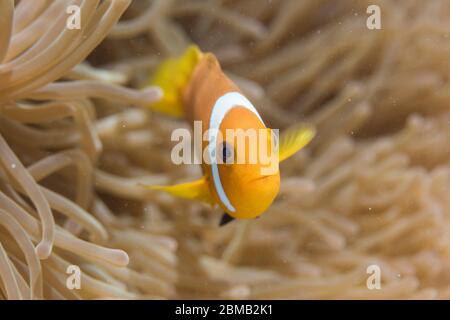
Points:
x=224 y=149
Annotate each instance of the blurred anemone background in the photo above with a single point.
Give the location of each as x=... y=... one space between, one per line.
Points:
x=76 y=138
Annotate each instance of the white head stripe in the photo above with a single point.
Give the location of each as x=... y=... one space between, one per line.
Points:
x=222 y=106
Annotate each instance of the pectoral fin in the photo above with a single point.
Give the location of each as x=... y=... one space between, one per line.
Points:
x=195 y=190
x=294 y=139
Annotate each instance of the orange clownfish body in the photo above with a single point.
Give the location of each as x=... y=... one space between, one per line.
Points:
x=236 y=177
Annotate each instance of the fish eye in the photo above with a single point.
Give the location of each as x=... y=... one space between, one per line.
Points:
x=227 y=153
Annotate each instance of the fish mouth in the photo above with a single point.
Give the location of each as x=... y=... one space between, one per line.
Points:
x=263 y=177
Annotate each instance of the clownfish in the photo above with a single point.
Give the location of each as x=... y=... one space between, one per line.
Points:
x=195 y=88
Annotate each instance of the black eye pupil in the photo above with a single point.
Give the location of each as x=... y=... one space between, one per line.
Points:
x=226 y=153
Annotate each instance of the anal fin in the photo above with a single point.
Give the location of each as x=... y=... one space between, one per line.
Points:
x=194 y=190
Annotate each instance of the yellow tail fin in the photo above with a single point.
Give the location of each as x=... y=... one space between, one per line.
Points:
x=173 y=76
